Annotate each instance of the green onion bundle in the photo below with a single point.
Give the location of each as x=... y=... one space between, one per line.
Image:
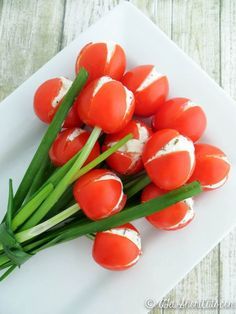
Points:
x=42 y=213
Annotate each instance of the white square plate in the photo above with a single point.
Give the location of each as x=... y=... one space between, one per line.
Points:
x=64 y=279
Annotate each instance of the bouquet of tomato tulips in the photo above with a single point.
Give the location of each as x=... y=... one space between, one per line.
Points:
x=98 y=168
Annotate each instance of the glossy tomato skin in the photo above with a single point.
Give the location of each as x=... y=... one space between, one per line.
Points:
x=169 y=159
x=150 y=89
x=68 y=143
x=107 y=104
x=212 y=167
x=174 y=217
x=114 y=250
x=182 y=115
x=128 y=159
x=99 y=193
x=72 y=120
x=44 y=98
x=47 y=100
x=102 y=58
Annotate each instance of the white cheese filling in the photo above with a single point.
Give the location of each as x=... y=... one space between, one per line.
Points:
x=151 y=78
x=127 y=233
x=103 y=80
x=66 y=84
x=111 y=47
x=143 y=133
x=189 y=214
x=134 y=145
x=128 y=100
x=177 y=144
x=74 y=134
x=113 y=177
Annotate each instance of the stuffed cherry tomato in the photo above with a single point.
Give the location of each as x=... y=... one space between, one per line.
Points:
x=150 y=89
x=68 y=143
x=102 y=58
x=212 y=167
x=183 y=115
x=118 y=248
x=48 y=98
x=169 y=159
x=173 y=217
x=99 y=193
x=107 y=104
x=128 y=159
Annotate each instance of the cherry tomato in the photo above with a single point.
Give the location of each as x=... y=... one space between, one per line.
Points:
x=102 y=58
x=107 y=104
x=68 y=143
x=99 y=193
x=72 y=120
x=169 y=159
x=150 y=89
x=118 y=248
x=182 y=115
x=128 y=159
x=173 y=217
x=212 y=167
x=48 y=98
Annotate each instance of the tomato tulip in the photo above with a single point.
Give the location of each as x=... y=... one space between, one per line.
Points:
x=118 y=248
x=48 y=98
x=173 y=217
x=183 y=115
x=150 y=88
x=99 y=194
x=107 y=104
x=128 y=159
x=212 y=167
x=169 y=159
x=102 y=58
x=68 y=143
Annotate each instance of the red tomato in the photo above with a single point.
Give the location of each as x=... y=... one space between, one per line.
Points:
x=72 y=120
x=48 y=98
x=212 y=167
x=68 y=143
x=99 y=193
x=150 y=89
x=173 y=217
x=128 y=159
x=118 y=248
x=169 y=159
x=182 y=115
x=107 y=104
x=102 y=58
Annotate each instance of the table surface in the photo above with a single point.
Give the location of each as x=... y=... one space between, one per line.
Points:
x=33 y=31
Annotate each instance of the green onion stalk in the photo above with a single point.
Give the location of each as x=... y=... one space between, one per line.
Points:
x=86 y=226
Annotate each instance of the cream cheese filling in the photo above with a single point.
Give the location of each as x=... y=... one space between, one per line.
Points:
x=66 y=84
x=151 y=78
x=74 y=134
x=177 y=144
